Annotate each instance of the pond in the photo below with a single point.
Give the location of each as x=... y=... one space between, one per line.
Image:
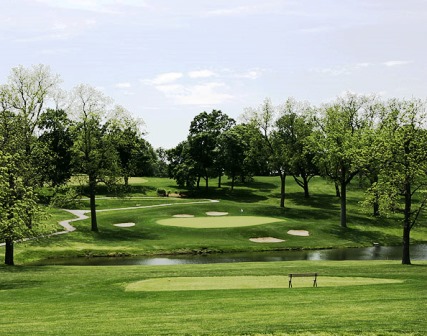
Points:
x=418 y=252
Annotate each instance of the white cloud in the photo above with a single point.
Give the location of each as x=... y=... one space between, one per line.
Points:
x=396 y=63
x=202 y=94
x=124 y=85
x=201 y=74
x=251 y=74
x=166 y=78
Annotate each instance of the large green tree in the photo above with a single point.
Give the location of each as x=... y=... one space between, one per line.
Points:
x=294 y=126
x=22 y=100
x=233 y=146
x=267 y=141
x=402 y=144
x=55 y=144
x=94 y=153
x=203 y=138
x=338 y=142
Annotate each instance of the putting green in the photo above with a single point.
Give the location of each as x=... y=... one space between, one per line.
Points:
x=247 y=282
x=217 y=222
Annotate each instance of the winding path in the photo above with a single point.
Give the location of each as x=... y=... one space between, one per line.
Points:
x=81 y=215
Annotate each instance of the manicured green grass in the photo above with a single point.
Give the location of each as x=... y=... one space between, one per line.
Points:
x=218 y=222
x=246 y=282
x=259 y=199
x=53 y=300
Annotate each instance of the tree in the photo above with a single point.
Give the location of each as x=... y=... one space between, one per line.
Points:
x=22 y=100
x=181 y=166
x=267 y=139
x=402 y=142
x=126 y=135
x=233 y=145
x=55 y=143
x=204 y=132
x=20 y=215
x=294 y=127
x=338 y=142
x=94 y=153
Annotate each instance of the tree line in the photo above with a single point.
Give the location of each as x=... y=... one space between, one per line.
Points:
x=48 y=135
x=384 y=142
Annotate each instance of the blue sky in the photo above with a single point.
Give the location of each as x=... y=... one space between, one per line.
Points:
x=168 y=60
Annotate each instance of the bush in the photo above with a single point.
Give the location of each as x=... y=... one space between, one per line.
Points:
x=67 y=198
x=162 y=193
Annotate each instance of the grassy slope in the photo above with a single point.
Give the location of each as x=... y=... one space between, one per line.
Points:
x=54 y=300
x=319 y=215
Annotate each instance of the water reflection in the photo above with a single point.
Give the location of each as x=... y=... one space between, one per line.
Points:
x=418 y=252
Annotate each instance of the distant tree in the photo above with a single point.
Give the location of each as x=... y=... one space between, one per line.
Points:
x=402 y=142
x=233 y=145
x=94 y=153
x=294 y=127
x=181 y=165
x=126 y=135
x=55 y=143
x=266 y=139
x=338 y=143
x=161 y=164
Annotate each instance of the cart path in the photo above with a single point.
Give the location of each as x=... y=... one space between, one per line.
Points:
x=81 y=215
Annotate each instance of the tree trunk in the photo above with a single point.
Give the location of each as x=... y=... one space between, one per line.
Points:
x=233 y=178
x=282 y=189
x=306 y=191
x=219 y=180
x=406 y=259
x=343 y=204
x=92 y=193
x=198 y=182
x=126 y=179
x=8 y=256
x=337 y=190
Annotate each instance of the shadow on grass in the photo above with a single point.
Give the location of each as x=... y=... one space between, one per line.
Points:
x=359 y=236
x=314 y=201
x=19 y=284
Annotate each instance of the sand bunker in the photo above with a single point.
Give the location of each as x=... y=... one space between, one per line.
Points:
x=266 y=240
x=183 y=216
x=302 y=233
x=216 y=213
x=124 y=224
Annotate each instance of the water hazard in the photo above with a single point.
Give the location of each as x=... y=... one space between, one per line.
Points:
x=418 y=252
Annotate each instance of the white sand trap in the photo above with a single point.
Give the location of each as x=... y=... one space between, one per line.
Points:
x=183 y=216
x=216 y=213
x=266 y=240
x=124 y=224
x=302 y=233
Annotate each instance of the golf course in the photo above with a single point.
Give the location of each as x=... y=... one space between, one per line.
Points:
x=251 y=298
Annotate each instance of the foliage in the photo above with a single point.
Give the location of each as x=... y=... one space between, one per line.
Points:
x=55 y=143
x=401 y=143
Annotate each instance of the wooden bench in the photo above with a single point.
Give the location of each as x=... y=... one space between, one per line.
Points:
x=296 y=275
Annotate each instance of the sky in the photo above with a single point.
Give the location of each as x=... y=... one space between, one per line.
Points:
x=166 y=61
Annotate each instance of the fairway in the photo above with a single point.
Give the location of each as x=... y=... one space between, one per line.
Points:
x=218 y=222
x=247 y=282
